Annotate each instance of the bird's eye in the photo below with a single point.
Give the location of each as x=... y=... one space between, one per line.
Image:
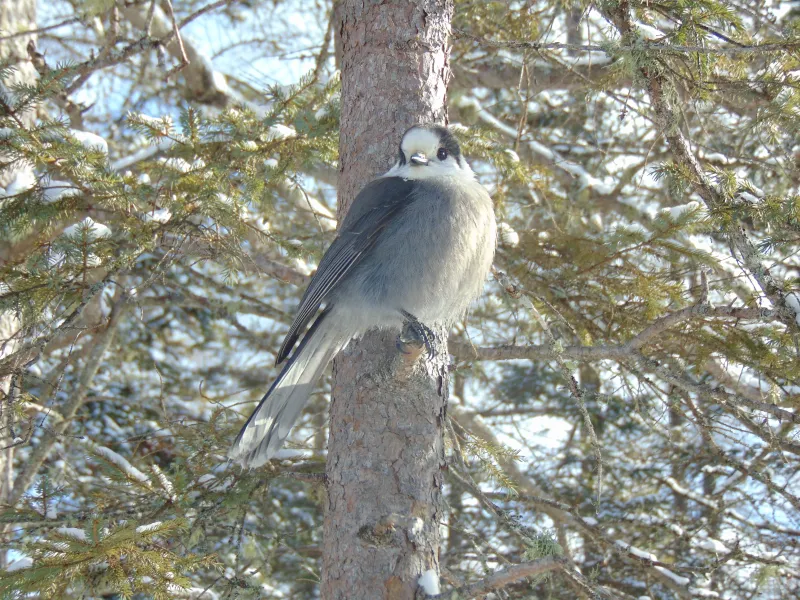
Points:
x=441 y=154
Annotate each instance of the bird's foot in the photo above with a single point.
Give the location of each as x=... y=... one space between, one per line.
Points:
x=415 y=334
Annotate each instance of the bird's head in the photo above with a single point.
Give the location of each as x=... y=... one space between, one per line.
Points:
x=428 y=151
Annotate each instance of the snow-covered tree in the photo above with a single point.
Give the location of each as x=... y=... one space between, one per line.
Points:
x=623 y=410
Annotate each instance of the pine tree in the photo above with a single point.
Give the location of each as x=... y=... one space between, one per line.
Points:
x=622 y=419
x=386 y=444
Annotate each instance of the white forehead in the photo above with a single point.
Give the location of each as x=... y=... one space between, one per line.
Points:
x=419 y=140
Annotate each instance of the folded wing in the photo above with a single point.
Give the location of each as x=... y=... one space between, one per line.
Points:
x=371 y=211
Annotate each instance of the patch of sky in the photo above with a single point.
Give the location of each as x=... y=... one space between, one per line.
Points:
x=240 y=51
x=233 y=43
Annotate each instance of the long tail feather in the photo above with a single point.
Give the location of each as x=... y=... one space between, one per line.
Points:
x=270 y=424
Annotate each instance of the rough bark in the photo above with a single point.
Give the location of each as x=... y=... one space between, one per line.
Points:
x=15 y=16
x=385 y=452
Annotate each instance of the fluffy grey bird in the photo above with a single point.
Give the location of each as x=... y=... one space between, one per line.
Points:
x=415 y=247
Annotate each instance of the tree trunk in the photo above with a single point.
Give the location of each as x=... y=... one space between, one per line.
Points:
x=385 y=451
x=15 y=16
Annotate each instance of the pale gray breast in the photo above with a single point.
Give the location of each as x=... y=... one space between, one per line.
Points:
x=434 y=257
x=448 y=256
x=479 y=236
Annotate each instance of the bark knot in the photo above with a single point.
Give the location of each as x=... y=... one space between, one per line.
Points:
x=381 y=533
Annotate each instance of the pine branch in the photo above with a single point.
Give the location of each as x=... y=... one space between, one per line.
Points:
x=716 y=394
x=464 y=351
x=85 y=69
x=667 y=119
x=737 y=48
x=100 y=345
x=39 y=30
x=726 y=458
x=31 y=351
x=653 y=566
x=503 y=578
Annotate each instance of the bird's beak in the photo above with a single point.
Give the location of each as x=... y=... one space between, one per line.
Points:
x=419 y=159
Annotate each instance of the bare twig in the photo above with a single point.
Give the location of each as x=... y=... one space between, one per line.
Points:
x=151 y=13
x=504 y=577
x=591 y=528
x=177 y=34
x=613 y=351
x=100 y=345
x=31 y=351
x=306 y=477
x=324 y=53
x=717 y=394
x=86 y=68
x=204 y=10
x=640 y=45
x=748 y=470
x=555 y=353
x=58 y=25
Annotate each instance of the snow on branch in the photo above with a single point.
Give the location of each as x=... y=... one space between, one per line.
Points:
x=665 y=116
x=90 y=141
x=121 y=463
x=585 y=179
x=498 y=579
x=72 y=532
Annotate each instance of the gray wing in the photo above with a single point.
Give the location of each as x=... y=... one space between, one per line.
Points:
x=370 y=213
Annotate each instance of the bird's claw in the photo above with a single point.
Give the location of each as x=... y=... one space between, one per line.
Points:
x=415 y=333
x=403 y=342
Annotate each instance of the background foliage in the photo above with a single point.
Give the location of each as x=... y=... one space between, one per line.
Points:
x=625 y=392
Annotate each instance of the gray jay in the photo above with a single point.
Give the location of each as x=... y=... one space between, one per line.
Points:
x=415 y=247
